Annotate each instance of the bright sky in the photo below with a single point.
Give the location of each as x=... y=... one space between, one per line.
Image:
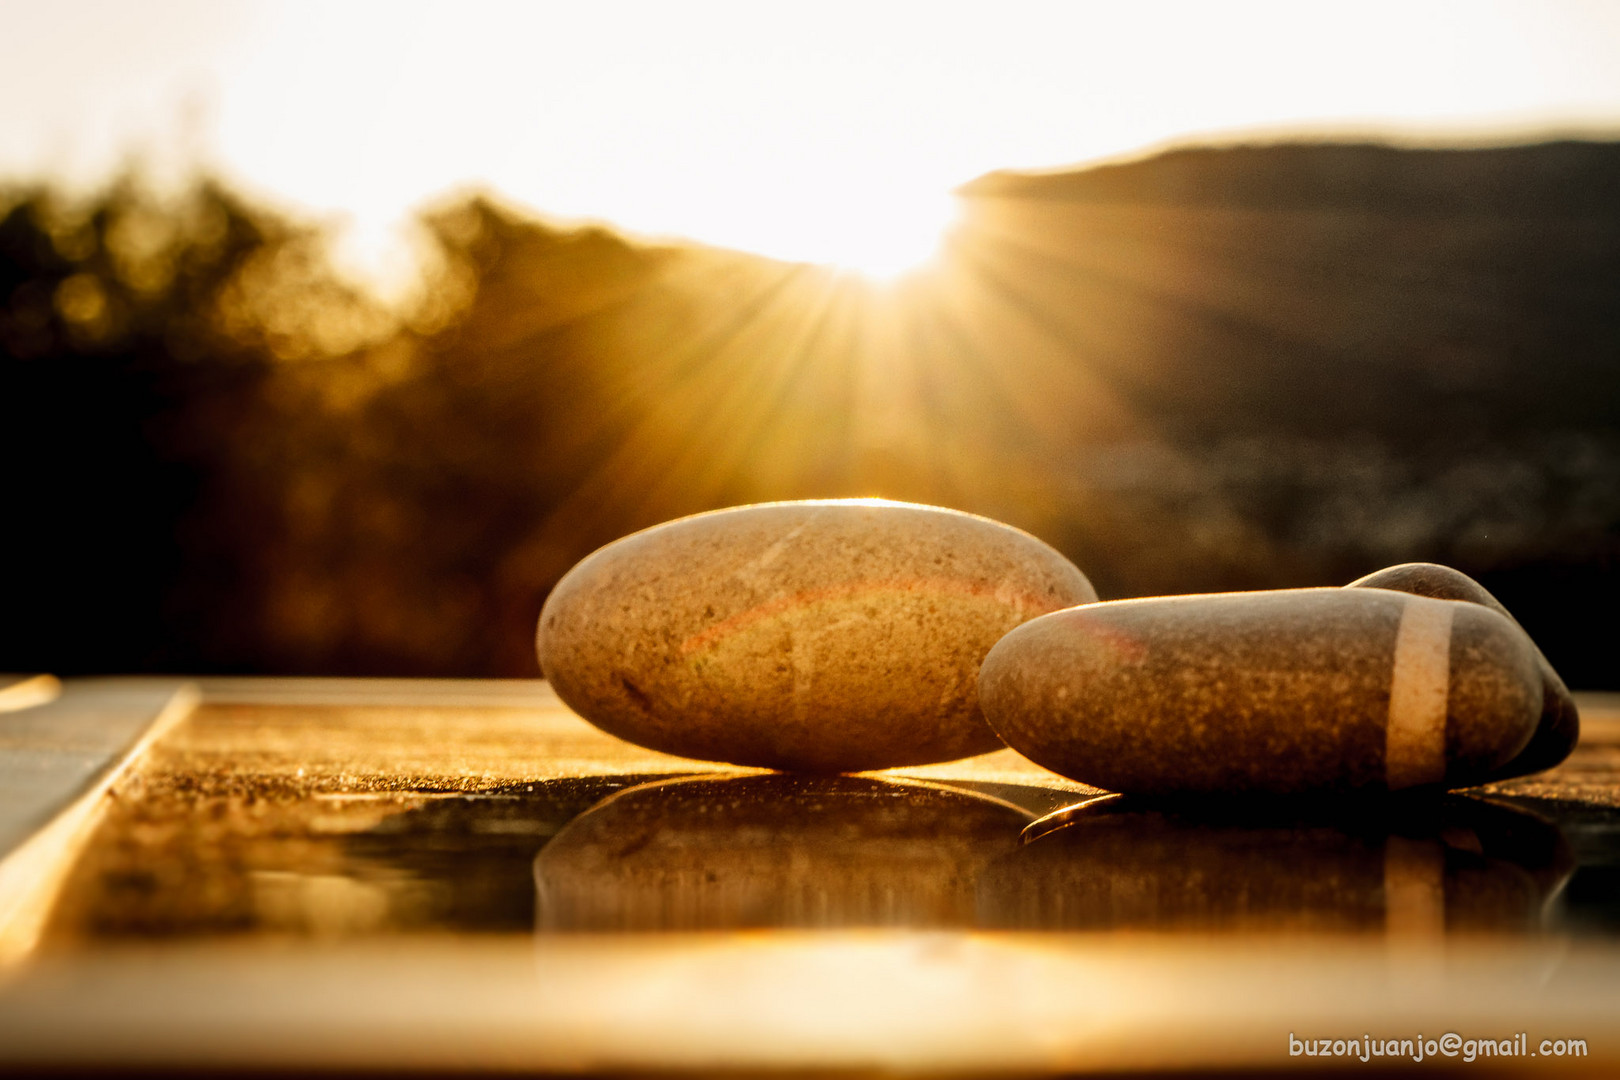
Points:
x=823 y=131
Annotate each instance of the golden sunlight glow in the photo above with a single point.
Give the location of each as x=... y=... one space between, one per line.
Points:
x=547 y=388
x=880 y=236
x=827 y=133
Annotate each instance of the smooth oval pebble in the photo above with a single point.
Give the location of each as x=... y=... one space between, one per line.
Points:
x=1278 y=693
x=822 y=636
x=1559 y=728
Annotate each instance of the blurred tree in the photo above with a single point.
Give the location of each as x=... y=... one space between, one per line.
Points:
x=136 y=351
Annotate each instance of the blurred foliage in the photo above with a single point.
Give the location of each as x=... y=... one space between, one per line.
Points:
x=1214 y=369
x=127 y=392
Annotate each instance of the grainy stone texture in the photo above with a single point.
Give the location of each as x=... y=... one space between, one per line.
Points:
x=820 y=636
x=1281 y=693
x=1560 y=725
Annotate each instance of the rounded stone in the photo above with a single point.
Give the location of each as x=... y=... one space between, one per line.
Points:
x=1276 y=693
x=821 y=636
x=1559 y=728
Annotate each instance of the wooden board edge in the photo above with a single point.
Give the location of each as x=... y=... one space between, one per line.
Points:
x=33 y=873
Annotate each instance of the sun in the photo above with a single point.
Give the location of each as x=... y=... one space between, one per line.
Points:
x=876 y=238
x=879 y=230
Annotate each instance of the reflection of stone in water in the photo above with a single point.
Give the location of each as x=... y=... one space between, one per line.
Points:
x=1410 y=868
x=324 y=905
x=773 y=851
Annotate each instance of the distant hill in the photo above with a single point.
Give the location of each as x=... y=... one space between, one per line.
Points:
x=1428 y=296
x=1553 y=179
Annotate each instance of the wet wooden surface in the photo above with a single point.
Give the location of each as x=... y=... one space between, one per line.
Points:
x=373 y=874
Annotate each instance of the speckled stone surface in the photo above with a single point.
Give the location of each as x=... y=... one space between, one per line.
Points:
x=1282 y=693
x=1560 y=725
x=820 y=636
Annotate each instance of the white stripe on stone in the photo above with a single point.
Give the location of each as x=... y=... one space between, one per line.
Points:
x=1419 y=686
